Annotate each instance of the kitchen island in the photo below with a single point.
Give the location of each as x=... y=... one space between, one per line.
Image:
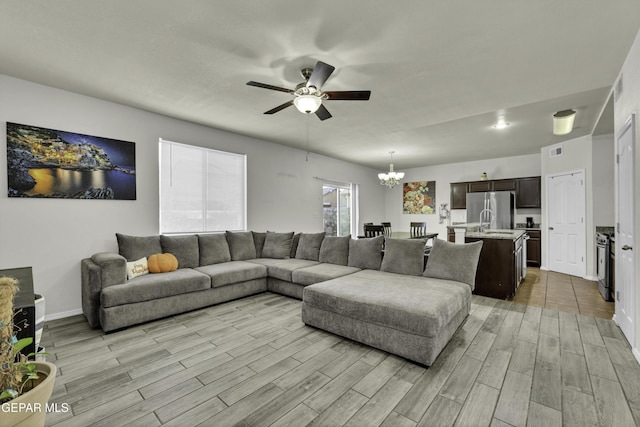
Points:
x=500 y=267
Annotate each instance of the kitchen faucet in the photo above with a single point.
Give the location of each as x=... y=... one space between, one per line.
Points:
x=482 y=222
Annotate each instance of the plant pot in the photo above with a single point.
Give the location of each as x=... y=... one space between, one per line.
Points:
x=30 y=408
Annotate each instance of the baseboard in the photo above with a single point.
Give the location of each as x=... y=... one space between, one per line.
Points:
x=63 y=314
x=592 y=278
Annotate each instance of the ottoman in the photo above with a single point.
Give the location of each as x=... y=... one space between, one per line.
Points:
x=410 y=316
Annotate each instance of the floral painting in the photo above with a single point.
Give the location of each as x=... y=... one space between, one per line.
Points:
x=419 y=197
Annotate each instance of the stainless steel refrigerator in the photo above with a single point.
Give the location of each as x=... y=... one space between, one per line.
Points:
x=500 y=203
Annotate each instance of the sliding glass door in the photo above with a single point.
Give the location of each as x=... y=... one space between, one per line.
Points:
x=336 y=209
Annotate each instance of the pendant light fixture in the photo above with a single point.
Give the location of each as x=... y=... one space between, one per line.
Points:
x=391 y=178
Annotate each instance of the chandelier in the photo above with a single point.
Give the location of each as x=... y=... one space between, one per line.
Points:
x=391 y=178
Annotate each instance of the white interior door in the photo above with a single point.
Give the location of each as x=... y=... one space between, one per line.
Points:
x=566 y=227
x=625 y=269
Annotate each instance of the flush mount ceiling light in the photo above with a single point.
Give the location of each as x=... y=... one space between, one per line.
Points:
x=501 y=124
x=391 y=178
x=563 y=122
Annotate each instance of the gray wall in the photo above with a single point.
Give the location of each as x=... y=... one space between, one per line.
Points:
x=53 y=235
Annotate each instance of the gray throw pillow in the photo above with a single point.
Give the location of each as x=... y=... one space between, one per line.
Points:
x=136 y=247
x=214 y=249
x=366 y=253
x=241 y=245
x=309 y=246
x=185 y=249
x=277 y=245
x=404 y=256
x=452 y=261
x=335 y=250
x=258 y=241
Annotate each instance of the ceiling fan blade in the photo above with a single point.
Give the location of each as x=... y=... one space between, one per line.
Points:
x=266 y=86
x=280 y=107
x=320 y=74
x=323 y=113
x=348 y=95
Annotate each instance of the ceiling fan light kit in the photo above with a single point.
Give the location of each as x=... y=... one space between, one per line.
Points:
x=308 y=94
x=563 y=122
x=391 y=178
x=307 y=103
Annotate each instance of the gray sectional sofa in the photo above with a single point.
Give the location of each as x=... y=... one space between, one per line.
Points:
x=346 y=285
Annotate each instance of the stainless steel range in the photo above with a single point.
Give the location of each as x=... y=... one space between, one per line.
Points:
x=604 y=269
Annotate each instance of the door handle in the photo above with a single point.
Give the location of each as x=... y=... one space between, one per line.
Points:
x=550 y=228
x=627 y=248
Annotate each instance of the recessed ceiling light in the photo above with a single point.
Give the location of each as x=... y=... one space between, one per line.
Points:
x=501 y=124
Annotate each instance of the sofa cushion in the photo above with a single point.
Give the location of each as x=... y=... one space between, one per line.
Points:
x=366 y=253
x=404 y=256
x=153 y=286
x=320 y=272
x=241 y=245
x=136 y=247
x=258 y=241
x=282 y=268
x=452 y=261
x=232 y=272
x=418 y=305
x=185 y=248
x=335 y=250
x=277 y=245
x=213 y=249
x=309 y=246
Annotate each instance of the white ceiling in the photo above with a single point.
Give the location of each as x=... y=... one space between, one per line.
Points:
x=440 y=72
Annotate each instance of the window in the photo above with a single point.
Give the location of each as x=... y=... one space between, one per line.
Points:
x=338 y=205
x=201 y=190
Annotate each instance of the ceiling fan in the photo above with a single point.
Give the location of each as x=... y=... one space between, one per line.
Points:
x=308 y=94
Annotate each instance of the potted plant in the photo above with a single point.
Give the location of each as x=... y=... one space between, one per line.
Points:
x=25 y=386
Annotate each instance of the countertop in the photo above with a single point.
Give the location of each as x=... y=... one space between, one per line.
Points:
x=472 y=231
x=505 y=234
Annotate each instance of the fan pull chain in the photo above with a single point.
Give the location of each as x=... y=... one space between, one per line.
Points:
x=308 y=137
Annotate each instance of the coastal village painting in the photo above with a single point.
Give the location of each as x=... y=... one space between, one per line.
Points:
x=49 y=163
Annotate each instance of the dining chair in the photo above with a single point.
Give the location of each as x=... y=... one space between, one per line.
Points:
x=373 y=230
x=417 y=229
x=387 y=228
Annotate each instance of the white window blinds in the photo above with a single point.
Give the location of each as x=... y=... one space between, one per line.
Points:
x=201 y=190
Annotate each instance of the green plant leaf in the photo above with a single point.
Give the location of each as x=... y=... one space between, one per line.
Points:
x=22 y=343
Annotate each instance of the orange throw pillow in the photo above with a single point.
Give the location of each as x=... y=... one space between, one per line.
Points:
x=162 y=263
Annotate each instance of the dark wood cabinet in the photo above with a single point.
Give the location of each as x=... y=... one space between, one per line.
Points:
x=459 y=195
x=528 y=192
x=496 y=273
x=534 y=247
x=480 y=186
x=451 y=236
x=503 y=185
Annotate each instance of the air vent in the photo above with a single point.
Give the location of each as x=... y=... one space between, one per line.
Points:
x=618 y=89
x=555 y=152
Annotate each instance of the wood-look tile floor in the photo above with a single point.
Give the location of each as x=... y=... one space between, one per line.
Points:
x=252 y=362
x=563 y=292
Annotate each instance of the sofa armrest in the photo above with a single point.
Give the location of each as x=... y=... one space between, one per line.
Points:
x=98 y=272
x=113 y=268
